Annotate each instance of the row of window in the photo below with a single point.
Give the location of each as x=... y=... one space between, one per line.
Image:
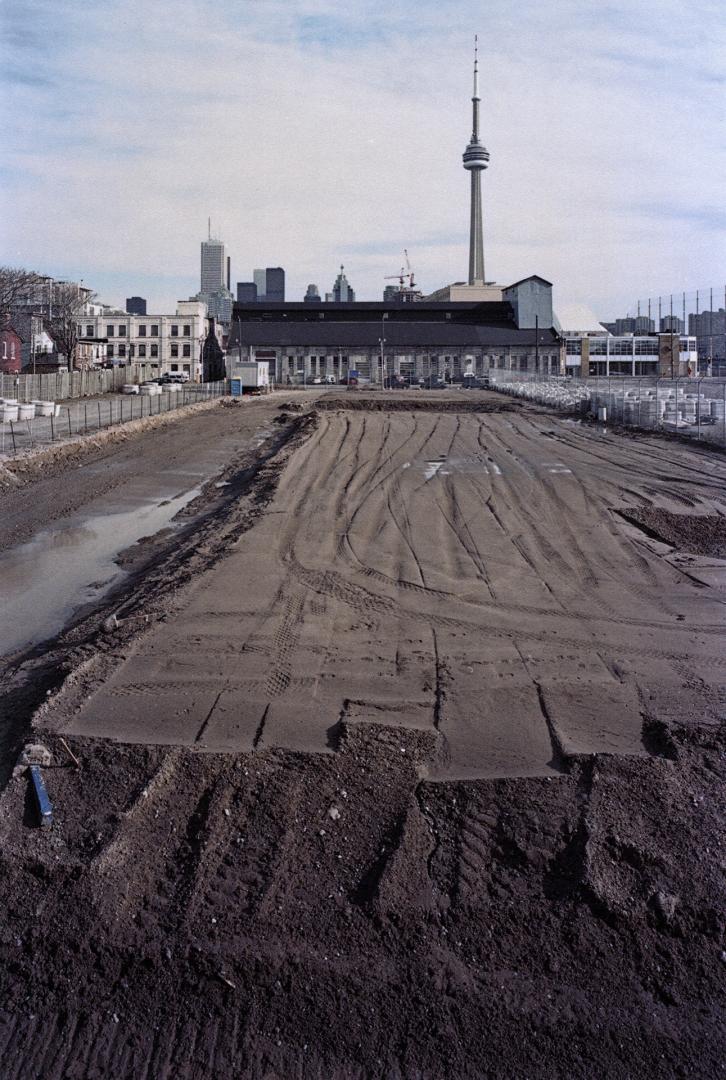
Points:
x=153 y=330
x=146 y=351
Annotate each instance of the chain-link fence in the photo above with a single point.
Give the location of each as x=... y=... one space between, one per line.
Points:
x=89 y=417
x=64 y=385
x=692 y=407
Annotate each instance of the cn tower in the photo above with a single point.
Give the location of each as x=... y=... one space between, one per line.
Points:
x=476 y=158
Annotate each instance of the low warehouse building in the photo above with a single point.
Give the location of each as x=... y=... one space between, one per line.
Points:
x=386 y=340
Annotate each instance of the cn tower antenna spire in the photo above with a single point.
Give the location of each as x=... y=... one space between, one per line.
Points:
x=476 y=159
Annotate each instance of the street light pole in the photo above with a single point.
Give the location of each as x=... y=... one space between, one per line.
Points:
x=384 y=316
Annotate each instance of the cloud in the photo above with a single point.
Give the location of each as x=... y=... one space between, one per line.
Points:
x=315 y=134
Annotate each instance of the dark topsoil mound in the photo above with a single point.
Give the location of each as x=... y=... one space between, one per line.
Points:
x=414 y=402
x=277 y=916
x=698 y=534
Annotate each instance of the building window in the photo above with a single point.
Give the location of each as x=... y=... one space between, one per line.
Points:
x=122 y=350
x=142 y=352
x=185 y=367
x=154 y=351
x=174 y=330
x=154 y=330
x=122 y=331
x=187 y=350
x=89 y=331
x=174 y=367
x=174 y=350
x=109 y=331
x=187 y=330
x=109 y=349
x=142 y=331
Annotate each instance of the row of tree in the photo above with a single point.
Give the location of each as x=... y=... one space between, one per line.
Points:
x=62 y=309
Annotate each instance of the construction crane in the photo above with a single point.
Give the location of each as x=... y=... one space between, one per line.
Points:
x=405 y=272
x=400 y=278
x=411 y=282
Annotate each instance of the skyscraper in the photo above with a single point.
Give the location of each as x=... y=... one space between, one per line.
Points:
x=476 y=159
x=312 y=296
x=342 y=292
x=213 y=265
x=275 y=284
x=246 y=292
x=260 y=279
x=135 y=305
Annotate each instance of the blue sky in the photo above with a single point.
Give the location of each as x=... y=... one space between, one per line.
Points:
x=314 y=135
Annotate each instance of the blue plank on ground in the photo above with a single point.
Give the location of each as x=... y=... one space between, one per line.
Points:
x=41 y=795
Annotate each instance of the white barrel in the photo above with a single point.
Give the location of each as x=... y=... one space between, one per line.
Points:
x=602 y=414
x=26 y=410
x=8 y=413
x=130 y=388
x=147 y=391
x=45 y=408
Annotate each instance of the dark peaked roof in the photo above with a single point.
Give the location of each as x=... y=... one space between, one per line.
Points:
x=532 y=277
x=364 y=335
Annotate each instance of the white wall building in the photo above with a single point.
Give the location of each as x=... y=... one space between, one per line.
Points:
x=600 y=354
x=174 y=342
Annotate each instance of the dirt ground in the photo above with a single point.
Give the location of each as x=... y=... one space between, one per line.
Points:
x=405 y=759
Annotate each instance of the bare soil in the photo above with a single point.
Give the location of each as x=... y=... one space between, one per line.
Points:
x=455 y=804
x=698 y=534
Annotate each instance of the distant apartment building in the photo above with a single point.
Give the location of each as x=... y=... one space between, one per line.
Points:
x=671 y=324
x=710 y=329
x=173 y=342
x=636 y=324
x=312 y=296
x=135 y=305
x=664 y=355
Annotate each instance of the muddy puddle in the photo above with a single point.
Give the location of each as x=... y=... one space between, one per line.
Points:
x=43 y=582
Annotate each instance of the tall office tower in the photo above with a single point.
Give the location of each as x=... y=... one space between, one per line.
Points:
x=342 y=292
x=213 y=265
x=671 y=324
x=260 y=279
x=312 y=296
x=246 y=292
x=135 y=305
x=275 y=284
x=476 y=159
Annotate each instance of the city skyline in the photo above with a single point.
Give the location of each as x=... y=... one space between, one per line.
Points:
x=571 y=194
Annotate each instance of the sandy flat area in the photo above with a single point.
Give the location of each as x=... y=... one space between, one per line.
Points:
x=463 y=573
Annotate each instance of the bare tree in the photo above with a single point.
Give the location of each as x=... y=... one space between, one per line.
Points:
x=16 y=284
x=62 y=323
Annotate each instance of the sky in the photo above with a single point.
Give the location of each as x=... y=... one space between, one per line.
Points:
x=317 y=133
